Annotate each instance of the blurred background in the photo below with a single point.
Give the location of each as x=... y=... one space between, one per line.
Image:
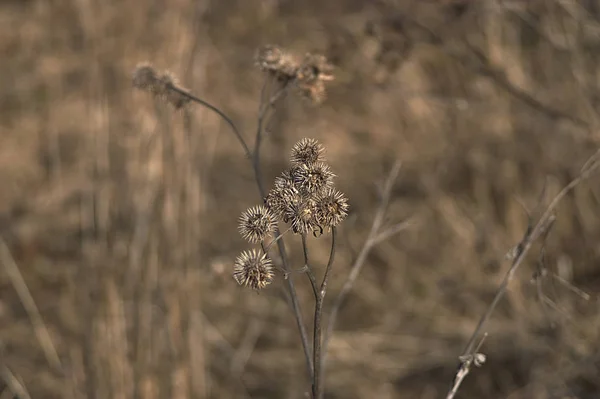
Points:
x=118 y=214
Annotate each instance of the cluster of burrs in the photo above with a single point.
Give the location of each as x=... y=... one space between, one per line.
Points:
x=309 y=74
x=303 y=198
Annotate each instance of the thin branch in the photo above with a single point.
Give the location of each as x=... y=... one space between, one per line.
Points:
x=262 y=114
x=39 y=327
x=227 y=119
x=523 y=248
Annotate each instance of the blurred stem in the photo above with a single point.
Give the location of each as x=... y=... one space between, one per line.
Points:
x=227 y=119
x=264 y=108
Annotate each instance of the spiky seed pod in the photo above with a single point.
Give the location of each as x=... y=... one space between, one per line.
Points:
x=279 y=200
x=253 y=269
x=280 y=63
x=301 y=215
x=306 y=152
x=312 y=179
x=331 y=208
x=281 y=195
x=256 y=224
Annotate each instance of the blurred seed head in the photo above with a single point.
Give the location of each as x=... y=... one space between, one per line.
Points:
x=278 y=62
x=163 y=85
x=331 y=208
x=311 y=76
x=312 y=179
x=253 y=269
x=315 y=92
x=306 y=152
x=256 y=224
x=145 y=77
x=315 y=67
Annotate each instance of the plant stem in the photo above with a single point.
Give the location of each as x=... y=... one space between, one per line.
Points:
x=318 y=381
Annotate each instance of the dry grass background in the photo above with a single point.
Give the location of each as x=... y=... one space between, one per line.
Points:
x=121 y=213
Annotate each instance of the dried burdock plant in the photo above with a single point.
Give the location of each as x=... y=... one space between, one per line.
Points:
x=312 y=179
x=278 y=62
x=312 y=76
x=331 y=208
x=253 y=269
x=164 y=86
x=303 y=198
x=306 y=152
x=256 y=224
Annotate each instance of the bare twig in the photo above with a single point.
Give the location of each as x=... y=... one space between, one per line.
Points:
x=39 y=327
x=227 y=119
x=522 y=249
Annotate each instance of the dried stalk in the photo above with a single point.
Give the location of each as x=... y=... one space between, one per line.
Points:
x=39 y=327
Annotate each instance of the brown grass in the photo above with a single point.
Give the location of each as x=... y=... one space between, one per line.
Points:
x=120 y=213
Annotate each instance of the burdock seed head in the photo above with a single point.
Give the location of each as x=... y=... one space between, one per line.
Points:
x=256 y=224
x=164 y=86
x=145 y=77
x=306 y=152
x=253 y=269
x=311 y=76
x=312 y=179
x=315 y=67
x=275 y=60
x=302 y=216
x=282 y=194
x=331 y=208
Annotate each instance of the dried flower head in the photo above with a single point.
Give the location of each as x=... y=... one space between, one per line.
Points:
x=306 y=152
x=275 y=60
x=145 y=77
x=311 y=76
x=283 y=192
x=253 y=269
x=315 y=67
x=314 y=92
x=312 y=179
x=256 y=224
x=171 y=91
x=164 y=85
x=331 y=208
x=302 y=216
